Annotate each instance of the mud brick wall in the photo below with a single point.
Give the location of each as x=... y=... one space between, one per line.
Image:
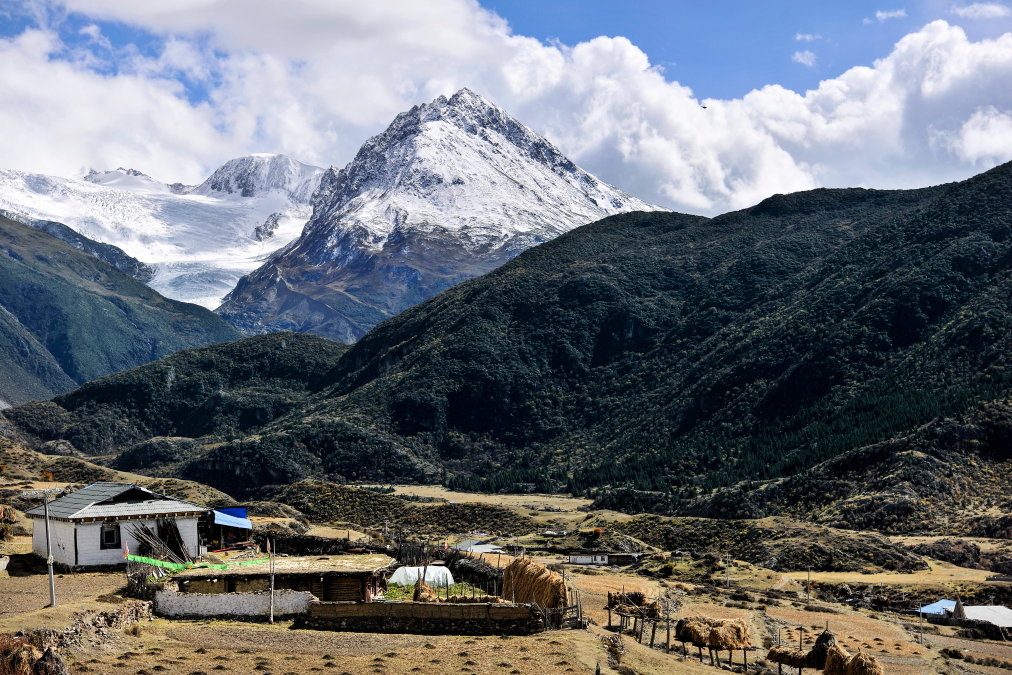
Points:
x=426 y=618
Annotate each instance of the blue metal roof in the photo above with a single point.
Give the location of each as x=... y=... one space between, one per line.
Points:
x=231 y=521
x=938 y=607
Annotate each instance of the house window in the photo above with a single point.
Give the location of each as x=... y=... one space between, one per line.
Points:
x=110 y=535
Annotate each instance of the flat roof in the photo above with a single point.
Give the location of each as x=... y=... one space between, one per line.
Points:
x=335 y=564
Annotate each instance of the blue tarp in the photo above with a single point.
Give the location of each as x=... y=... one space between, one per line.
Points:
x=938 y=607
x=231 y=521
x=237 y=511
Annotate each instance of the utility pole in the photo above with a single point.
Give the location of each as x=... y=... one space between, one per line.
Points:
x=809 y=584
x=727 y=578
x=49 y=541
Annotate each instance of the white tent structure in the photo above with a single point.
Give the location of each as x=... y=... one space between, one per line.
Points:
x=435 y=575
x=996 y=614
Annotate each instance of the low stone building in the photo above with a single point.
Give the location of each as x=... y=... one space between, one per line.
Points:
x=339 y=578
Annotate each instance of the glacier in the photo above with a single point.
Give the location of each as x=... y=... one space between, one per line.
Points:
x=200 y=240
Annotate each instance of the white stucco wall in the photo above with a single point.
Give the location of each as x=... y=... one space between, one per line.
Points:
x=286 y=603
x=89 y=540
x=62 y=535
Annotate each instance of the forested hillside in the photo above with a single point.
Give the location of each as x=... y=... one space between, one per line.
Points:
x=67 y=317
x=666 y=353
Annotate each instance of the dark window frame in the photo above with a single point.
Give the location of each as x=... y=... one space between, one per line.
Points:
x=109 y=528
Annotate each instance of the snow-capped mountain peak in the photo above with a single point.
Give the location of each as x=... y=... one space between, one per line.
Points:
x=255 y=175
x=451 y=189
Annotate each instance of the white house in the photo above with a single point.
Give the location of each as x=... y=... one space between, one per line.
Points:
x=588 y=558
x=90 y=526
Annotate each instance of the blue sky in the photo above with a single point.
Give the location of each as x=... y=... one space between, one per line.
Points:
x=801 y=94
x=726 y=48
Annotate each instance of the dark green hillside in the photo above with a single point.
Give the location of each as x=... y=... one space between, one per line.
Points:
x=949 y=476
x=219 y=390
x=29 y=371
x=90 y=317
x=658 y=352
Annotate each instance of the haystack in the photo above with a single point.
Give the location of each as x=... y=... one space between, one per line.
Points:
x=787 y=656
x=525 y=581
x=864 y=664
x=730 y=635
x=21 y=661
x=720 y=634
x=836 y=661
x=424 y=593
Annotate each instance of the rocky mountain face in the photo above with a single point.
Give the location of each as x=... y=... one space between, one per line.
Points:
x=67 y=317
x=451 y=190
x=193 y=242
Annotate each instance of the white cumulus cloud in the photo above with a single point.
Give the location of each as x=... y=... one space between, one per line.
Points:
x=314 y=79
x=806 y=37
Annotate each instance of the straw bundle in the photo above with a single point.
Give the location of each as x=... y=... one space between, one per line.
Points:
x=730 y=634
x=864 y=664
x=836 y=661
x=722 y=634
x=22 y=660
x=525 y=581
x=424 y=593
x=787 y=656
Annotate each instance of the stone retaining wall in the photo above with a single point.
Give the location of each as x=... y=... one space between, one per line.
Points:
x=92 y=628
x=427 y=618
x=248 y=606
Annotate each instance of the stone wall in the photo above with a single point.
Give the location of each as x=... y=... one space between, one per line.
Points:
x=92 y=628
x=428 y=618
x=248 y=606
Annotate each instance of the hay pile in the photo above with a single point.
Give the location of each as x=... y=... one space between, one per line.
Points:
x=424 y=592
x=634 y=603
x=18 y=656
x=788 y=656
x=720 y=634
x=617 y=598
x=525 y=581
x=839 y=662
x=817 y=658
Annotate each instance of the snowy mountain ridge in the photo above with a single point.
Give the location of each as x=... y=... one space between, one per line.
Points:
x=201 y=239
x=450 y=190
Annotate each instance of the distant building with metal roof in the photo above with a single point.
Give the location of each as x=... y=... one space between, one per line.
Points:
x=91 y=526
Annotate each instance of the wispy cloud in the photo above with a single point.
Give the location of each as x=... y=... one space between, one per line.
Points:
x=890 y=14
x=807 y=37
x=981 y=10
x=805 y=58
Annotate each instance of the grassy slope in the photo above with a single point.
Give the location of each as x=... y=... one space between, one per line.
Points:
x=90 y=317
